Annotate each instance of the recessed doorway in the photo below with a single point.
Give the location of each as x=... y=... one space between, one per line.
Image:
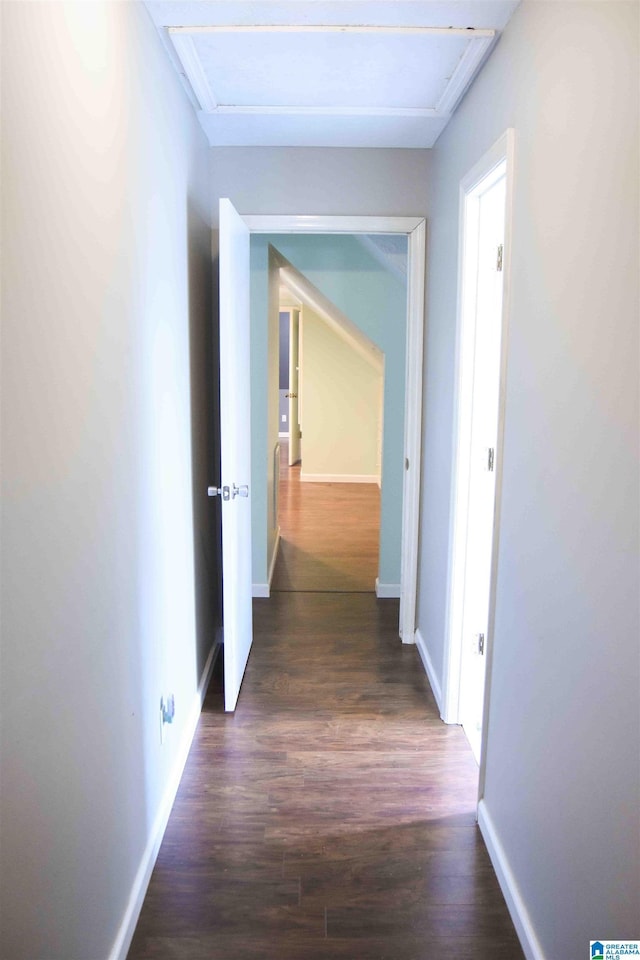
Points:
x=414 y=230
x=481 y=371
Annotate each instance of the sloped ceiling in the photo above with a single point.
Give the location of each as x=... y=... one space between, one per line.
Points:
x=390 y=250
x=361 y=73
x=307 y=293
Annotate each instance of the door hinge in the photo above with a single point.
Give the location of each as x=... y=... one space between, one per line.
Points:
x=481 y=644
x=499 y=258
x=491 y=457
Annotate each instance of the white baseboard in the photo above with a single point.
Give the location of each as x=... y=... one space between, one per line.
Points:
x=339 y=478
x=264 y=589
x=429 y=670
x=138 y=891
x=387 y=591
x=511 y=892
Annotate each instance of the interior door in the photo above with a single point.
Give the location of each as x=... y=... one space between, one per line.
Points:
x=235 y=449
x=294 y=387
x=484 y=429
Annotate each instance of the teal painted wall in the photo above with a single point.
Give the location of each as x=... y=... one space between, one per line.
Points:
x=259 y=404
x=374 y=298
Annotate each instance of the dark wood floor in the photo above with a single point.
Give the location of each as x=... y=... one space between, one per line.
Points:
x=332 y=817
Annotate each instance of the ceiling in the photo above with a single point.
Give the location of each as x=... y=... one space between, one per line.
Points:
x=360 y=73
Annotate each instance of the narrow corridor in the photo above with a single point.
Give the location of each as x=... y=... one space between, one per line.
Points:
x=333 y=815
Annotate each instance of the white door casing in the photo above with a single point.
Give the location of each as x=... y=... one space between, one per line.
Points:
x=415 y=230
x=480 y=492
x=497 y=162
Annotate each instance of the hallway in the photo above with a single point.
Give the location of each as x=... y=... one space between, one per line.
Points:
x=333 y=815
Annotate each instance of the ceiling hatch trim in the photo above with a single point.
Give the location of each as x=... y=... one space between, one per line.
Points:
x=478 y=45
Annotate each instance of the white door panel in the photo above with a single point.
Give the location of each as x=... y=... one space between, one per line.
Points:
x=235 y=447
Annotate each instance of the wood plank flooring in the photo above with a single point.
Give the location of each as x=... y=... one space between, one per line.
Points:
x=332 y=817
x=329 y=534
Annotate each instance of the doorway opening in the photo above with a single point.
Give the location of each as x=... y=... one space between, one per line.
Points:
x=410 y=360
x=331 y=414
x=485 y=204
x=350 y=346
x=239 y=428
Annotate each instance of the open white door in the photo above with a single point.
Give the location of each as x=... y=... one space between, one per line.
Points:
x=235 y=449
x=294 y=385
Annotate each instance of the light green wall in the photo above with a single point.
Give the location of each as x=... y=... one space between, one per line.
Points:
x=340 y=395
x=259 y=398
x=375 y=300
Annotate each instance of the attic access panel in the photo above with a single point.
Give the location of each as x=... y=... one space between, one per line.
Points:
x=328 y=85
x=341 y=70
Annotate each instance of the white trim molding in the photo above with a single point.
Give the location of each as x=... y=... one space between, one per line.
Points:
x=413 y=29
x=250 y=110
x=507 y=145
x=412 y=430
x=414 y=228
x=387 y=591
x=339 y=478
x=509 y=886
x=265 y=223
x=429 y=669
x=502 y=152
x=141 y=880
x=467 y=66
x=194 y=71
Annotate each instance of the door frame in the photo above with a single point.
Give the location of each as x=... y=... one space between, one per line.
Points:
x=414 y=228
x=503 y=151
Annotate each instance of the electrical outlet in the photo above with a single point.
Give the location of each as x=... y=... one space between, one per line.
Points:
x=284 y=418
x=167 y=713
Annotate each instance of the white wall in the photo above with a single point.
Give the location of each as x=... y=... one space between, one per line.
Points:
x=562 y=777
x=341 y=395
x=106 y=284
x=263 y=180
